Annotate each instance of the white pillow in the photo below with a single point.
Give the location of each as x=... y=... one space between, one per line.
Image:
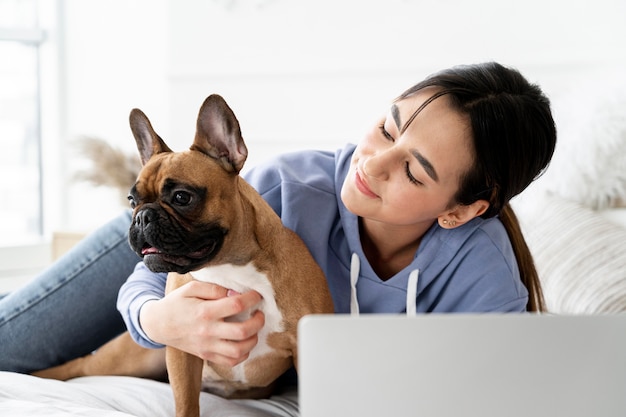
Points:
x=580 y=255
x=589 y=164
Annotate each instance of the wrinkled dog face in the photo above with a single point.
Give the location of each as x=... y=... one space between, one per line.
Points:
x=168 y=229
x=181 y=199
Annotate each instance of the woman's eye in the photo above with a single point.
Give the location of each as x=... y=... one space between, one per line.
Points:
x=386 y=134
x=412 y=179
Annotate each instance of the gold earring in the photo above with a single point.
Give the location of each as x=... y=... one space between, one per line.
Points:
x=452 y=223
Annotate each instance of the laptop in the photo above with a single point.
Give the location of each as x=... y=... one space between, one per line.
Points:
x=462 y=366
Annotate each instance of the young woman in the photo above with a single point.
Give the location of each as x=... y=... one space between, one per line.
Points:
x=425 y=194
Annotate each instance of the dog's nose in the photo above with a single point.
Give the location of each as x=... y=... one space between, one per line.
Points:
x=144 y=217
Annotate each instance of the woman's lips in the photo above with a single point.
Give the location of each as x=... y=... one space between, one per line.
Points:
x=362 y=186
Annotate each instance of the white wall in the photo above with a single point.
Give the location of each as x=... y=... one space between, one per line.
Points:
x=114 y=57
x=300 y=74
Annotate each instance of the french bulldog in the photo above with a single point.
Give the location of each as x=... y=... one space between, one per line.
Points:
x=196 y=218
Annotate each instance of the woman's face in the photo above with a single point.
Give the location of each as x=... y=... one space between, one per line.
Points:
x=410 y=178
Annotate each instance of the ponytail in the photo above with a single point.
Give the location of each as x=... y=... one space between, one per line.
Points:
x=525 y=263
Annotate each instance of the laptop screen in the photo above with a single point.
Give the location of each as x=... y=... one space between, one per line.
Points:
x=462 y=365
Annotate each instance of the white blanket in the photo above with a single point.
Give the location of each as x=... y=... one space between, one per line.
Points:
x=114 y=396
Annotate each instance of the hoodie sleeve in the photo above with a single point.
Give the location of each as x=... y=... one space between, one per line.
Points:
x=143 y=285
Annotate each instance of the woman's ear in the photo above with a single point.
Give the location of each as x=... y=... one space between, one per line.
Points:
x=462 y=214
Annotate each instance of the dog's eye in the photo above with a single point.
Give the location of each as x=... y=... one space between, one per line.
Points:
x=132 y=202
x=182 y=198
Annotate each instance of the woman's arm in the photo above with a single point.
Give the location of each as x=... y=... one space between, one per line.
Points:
x=191 y=318
x=141 y=286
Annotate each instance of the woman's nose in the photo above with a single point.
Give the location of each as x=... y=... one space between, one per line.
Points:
x=377 y=165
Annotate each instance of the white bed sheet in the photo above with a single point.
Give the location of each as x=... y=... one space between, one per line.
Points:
x=115 y=396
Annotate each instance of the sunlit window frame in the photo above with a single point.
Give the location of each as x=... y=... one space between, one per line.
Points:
x=32 y=38
x=19 y=262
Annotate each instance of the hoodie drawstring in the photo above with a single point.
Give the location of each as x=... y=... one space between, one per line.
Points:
x=411 y=290
x=411 y=293
x=355 y=267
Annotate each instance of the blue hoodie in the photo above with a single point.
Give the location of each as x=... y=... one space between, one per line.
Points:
x=470 y=268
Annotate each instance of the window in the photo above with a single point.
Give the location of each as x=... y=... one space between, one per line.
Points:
x=24 y=47
x=21 y=214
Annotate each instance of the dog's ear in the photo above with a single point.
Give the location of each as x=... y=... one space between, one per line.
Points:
x=218 y=134
x=148 y=142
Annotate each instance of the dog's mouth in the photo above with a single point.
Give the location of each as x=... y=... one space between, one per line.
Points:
x=167 y=247
x=179 y=259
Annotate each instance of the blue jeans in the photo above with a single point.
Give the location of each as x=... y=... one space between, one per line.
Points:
x=69 y=309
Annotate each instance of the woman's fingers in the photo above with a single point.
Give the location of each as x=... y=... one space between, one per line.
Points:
x=232 y=342
x=206 y=320
x=221 y=336
x=240 y=330
x=238 y=303
x=228 y=302
x=203 y=290
x=229 y=352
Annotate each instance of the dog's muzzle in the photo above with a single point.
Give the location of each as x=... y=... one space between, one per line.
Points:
x=166 y=246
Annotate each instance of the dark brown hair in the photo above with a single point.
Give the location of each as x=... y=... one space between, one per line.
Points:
x=514 y=138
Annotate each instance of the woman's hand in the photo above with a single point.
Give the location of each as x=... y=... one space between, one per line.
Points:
x=192 y=319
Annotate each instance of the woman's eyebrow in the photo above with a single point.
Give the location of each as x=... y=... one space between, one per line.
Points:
x=395 y=113
x=425 y=163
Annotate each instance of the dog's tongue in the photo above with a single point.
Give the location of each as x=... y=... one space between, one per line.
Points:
x=149 y=251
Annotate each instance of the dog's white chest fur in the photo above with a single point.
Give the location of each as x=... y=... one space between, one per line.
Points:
x=241 y=279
